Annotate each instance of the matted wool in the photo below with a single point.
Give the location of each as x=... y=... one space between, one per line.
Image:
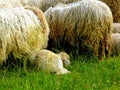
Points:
x=21 y=33
x=84 y=23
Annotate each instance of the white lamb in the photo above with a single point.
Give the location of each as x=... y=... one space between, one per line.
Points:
x=51 y=62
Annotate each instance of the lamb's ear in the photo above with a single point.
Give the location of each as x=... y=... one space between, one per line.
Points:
x=62 y=53
x=66 y=63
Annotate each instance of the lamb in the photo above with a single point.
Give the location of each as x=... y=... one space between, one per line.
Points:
x=23 y=32
x=87 y=23
x=52 y=62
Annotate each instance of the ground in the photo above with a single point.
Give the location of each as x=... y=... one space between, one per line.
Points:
x=85 y=75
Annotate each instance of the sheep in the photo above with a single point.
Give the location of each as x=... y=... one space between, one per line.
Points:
x=115 y=8
x=10 y=3
x=115 y=47
x=116 y=27
x=51 y=62
x=23 y=32
x=45 y=4
x=87 y=23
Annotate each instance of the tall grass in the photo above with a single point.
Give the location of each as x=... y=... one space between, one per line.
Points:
x=85 y=75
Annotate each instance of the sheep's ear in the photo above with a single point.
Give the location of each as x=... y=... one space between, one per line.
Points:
x=61 y=53
x=66 y=63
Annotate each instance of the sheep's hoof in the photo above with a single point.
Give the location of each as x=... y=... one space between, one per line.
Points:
x=65 y=71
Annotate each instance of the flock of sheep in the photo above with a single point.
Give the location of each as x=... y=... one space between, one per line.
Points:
x=28 y=27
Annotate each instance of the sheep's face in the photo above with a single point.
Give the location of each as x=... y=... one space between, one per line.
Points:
x=65 y=58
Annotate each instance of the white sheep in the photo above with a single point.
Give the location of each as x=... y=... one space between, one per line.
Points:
x=10 y=3
x=115 y=47
x=51 y=62
x=80 y=25
x=116 y=27
x=23 y=31
x=45 y=4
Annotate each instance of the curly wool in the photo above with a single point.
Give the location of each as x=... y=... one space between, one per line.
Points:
x=21 y=32
x=10 y=3
x=45 y=4
x=115 y=8
x=80 y=24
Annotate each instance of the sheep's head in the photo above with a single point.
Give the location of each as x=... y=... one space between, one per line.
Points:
x=65 y=58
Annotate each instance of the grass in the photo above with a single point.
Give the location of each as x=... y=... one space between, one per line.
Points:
x=85 y=75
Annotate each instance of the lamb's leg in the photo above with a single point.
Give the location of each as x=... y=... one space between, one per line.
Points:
x=63 y=71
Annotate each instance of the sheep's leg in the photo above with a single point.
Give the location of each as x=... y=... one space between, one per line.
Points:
x=3 y=55
x=107 y=51
x=24 y=64
x=101 y=51
x=107 y=45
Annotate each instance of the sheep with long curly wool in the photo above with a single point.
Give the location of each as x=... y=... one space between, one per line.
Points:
x=87 y=23
x=45 y=4
x=23 y=32
x=10 y=3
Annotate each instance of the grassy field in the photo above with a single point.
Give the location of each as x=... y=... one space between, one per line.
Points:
x=85 y=75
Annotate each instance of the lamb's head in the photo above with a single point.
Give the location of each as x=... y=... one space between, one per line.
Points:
x=65 y=58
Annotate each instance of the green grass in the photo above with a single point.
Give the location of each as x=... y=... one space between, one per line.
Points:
x=85 y=75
